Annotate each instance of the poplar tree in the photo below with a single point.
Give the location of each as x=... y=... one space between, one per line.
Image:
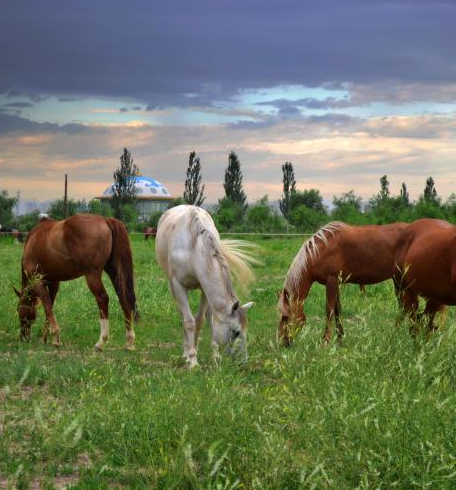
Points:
x=194 y=191
x=289 y=187
x=404 y=194
x=124 y=183
x=430 y=192
x=233 y=181
x=384 y=188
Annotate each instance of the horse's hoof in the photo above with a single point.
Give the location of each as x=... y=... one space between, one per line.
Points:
x=130 y=348
x=98 y=347
x=56 y=344
x=192 y=364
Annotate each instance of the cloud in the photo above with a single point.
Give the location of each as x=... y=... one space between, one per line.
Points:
x=17 y=105
x=14 y=123
x=179 y=53
x=331 y=153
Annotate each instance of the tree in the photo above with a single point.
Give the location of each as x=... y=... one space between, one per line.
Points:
x=56 y=209
x=405 y=195
x=306 y=219
x=347 y=207
x=124 y=183
x=7 y=204
x=310 y=198
x=430 y=192
x=193 y=193
x=289 y=187
x=228 y=214
x=384 y=188
x=233 y=181
x=261 y=218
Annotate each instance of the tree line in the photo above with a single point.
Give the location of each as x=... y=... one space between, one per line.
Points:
x=297 y=210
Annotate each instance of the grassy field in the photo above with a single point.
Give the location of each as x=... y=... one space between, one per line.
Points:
x=377 y=411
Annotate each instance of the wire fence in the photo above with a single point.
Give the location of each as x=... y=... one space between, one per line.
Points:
x=246 y=233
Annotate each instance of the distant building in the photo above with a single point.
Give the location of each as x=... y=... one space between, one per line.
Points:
x=151 y=196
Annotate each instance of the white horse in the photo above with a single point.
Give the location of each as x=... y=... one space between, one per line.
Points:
x=189 y=250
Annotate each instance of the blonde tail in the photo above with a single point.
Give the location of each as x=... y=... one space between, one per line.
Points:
x=238 y=255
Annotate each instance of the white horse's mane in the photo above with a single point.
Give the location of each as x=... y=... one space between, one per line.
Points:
x=308 y=253
x=233 y=256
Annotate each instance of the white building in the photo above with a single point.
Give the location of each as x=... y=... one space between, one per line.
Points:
x=151 y=196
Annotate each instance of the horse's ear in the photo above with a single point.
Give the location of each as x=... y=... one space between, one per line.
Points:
x=248 y=305
x=235 y=306
x=17 y=292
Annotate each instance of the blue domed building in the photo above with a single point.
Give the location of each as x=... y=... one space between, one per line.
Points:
x=151 y=196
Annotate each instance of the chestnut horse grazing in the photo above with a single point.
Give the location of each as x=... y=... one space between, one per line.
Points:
x=426 y=266
x=83 y=245
x=337 y=252
x=189 y=250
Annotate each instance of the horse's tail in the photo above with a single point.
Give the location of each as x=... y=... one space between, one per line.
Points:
x=239 y=257
x=120 y=266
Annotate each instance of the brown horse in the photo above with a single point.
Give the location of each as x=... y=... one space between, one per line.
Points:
x=426 y=266
x=337 y=252
x=150 y=231
x=83 y=245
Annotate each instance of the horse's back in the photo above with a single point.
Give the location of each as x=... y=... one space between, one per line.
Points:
x=426 y=260
x=177 y=239
x=67 y=249
x=364 y=254
x=418 y=235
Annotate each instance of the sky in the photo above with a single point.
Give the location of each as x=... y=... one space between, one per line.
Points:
x=347 y=90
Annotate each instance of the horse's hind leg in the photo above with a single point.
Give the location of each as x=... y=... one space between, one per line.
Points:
x=53 y=287
x=431 y=310
x=409 y=303
x=332 y=288
x=180 y=293
x=98 y=290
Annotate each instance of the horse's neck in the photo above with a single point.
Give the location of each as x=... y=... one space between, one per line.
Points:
x=300 y=289
x=217 y=287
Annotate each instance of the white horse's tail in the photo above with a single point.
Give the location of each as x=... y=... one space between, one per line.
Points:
x=239 y=257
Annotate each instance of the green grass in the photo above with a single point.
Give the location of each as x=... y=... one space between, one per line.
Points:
x=377 y=411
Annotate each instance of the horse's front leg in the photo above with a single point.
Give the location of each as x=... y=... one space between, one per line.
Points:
x=338 y=311
x=45 y=297
x=199 y=320
x=214 y=345
x=331 y=301
x=96 y=287
x=53 y=287
x=180 y=293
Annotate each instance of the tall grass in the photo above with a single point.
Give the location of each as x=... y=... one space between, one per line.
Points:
x=374 y=412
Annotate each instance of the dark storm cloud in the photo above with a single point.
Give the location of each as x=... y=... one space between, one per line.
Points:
x=181 y=53
x=14 y=123
x=308 y=103
x=17 y=105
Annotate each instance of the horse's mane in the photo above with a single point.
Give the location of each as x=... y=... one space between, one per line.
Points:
x=233 y=256
x=308 y=253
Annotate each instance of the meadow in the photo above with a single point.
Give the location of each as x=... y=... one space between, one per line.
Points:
x=376 y=411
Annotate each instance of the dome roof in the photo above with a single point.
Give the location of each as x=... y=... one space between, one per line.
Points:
x=145 y=187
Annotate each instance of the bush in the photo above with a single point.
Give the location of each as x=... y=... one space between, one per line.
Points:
x=261 y=218
x=305 y=219
x=228 y=215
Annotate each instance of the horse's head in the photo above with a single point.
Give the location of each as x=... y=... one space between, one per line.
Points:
x=230 y=329
x=26 y=310
x=292 y=318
